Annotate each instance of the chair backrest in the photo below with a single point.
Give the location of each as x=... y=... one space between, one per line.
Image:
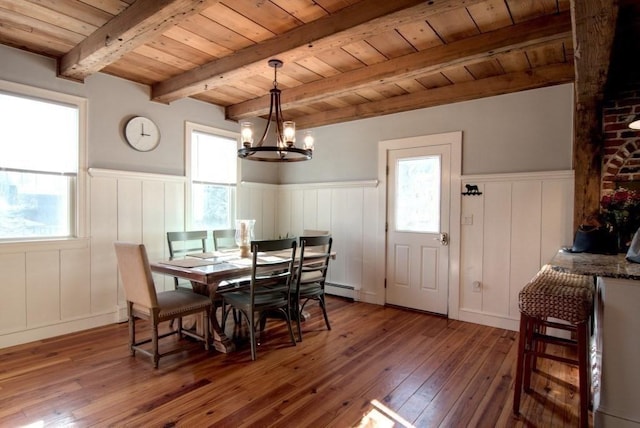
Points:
x=310 y=232
x=262 y=267
x=317 y=271
x=182 y=243
x=135 y=273
x=224 y=239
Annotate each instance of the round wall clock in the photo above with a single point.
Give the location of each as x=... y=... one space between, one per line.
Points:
x=142 y=133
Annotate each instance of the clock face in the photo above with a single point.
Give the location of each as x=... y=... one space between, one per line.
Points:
x=142 y=133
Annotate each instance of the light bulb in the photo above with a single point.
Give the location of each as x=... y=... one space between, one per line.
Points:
x=308 y=140
x=289 y=131
x=246 y=133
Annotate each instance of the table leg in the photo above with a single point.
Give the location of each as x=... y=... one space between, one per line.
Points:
x=221 y=342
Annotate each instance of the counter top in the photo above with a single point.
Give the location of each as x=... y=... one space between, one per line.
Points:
x=604 y=265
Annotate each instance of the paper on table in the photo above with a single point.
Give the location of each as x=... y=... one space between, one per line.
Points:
x=189 y=263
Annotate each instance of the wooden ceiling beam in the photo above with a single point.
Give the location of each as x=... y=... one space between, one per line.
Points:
x=460 y=53
x=357 y=22
x=497 y=85
x=594 y=24
x=136 y=25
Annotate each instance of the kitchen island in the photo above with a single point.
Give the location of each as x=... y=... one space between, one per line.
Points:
x=616 y=338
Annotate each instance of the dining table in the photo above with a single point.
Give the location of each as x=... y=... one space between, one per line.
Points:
x=208 y=270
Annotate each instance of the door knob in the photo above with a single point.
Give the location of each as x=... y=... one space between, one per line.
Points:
x=443 y=238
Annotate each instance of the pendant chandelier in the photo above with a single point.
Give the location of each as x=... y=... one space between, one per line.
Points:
x=283 y=149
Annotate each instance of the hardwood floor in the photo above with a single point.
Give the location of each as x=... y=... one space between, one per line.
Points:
x=377 y=367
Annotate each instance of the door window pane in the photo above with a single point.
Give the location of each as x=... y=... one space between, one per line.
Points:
x=418 y=194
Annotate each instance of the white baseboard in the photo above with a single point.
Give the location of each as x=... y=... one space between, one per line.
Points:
x=488 y=320
x=63 y=327
x=339 y=290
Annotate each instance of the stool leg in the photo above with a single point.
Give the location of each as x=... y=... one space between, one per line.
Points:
x=583 y=372
x=517 y=392
x=541 y=347
x=531 y=346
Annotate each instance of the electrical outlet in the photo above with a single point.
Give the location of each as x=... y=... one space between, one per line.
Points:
x=476 y=286
x=467 y=219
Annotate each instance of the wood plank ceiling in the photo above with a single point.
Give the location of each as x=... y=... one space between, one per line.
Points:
x=343 y=59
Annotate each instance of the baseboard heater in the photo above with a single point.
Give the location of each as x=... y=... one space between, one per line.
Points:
x=339 y=290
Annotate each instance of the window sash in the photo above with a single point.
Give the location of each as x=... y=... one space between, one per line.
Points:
x=65 y=201
x=200 y=162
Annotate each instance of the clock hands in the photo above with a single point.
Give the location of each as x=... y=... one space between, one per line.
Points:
x=142 y=131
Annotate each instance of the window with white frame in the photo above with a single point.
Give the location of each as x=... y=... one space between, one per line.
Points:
x=40 y=146
x=212 y=169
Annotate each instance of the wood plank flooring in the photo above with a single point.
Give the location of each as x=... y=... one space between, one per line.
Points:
x=377 y=367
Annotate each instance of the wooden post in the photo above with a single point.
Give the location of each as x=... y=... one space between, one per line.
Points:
x=594 y=23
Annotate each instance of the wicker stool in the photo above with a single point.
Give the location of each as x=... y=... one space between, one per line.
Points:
x=564 y=296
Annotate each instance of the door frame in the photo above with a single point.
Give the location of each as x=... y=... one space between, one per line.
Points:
x=454 y=140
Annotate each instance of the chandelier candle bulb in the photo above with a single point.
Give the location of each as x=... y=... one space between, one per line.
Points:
x=308 y=140
x=289 y=132
x=246 y=134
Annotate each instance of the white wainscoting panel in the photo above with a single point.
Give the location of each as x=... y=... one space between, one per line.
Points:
x=52 y=288
x=75 y=283
x=13 y=307
x=134 y=207
x=104 y=232
x=43 y=288
x=512 y=229
x=348 y=210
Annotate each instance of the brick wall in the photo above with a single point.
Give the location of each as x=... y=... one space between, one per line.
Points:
x=621 y=157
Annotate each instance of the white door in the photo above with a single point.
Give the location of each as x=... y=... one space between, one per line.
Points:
x=418 y=204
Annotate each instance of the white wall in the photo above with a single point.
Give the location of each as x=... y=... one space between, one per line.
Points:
x=520 y=132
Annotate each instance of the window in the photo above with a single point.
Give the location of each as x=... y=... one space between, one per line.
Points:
x=40 y=146
x=212 y=169
x=418 y=194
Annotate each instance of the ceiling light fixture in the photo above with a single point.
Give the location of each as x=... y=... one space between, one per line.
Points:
x=283 y=149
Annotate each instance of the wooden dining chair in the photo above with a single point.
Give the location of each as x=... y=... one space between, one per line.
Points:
x=261 y=298
x=183 y=243
x=143 y=302
x=310 y=278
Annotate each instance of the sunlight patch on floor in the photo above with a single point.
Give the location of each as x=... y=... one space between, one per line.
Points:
x=380 y=416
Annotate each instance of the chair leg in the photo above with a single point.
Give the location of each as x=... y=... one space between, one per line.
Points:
x=324 y=311
x=287 y=312
x=154 y=343
x=132 y=329
x=205 y=327
x=252 y=335
x=517 y=392
x=298 y=313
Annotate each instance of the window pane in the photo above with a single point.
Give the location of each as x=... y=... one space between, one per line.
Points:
x=211 y=206
x=418 y=194
x=213 y=174
x=39 y=162
x=35 y=205
x=213 y=158
x=38 y=135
